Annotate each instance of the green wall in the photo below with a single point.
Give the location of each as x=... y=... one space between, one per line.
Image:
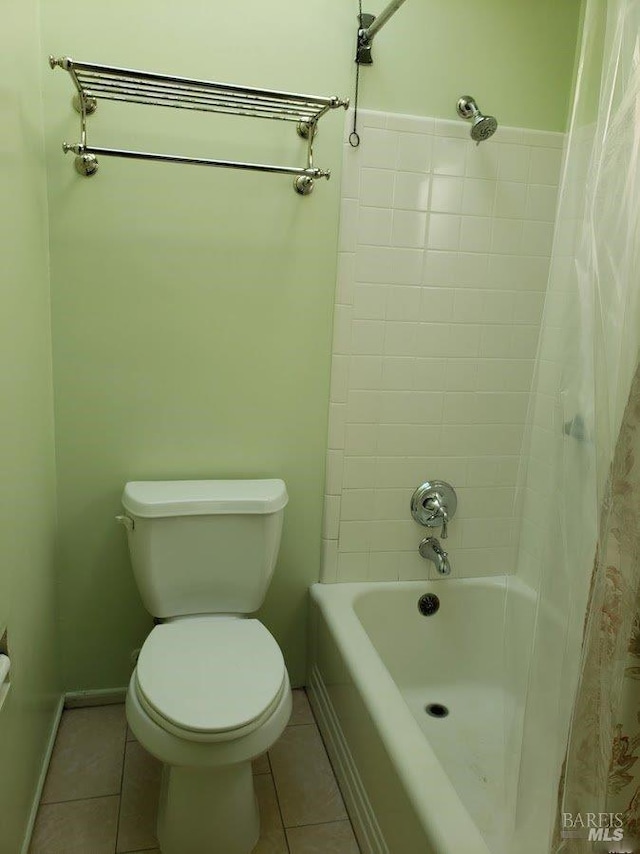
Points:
x=27 y=485
x=514 y=56
x=192 y=308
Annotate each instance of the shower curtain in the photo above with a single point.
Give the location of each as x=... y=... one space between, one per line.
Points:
x=601 y=766
x=573 y=732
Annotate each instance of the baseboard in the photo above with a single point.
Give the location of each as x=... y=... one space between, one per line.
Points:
x=43 y=776
x=355 y=795
x=99 y=697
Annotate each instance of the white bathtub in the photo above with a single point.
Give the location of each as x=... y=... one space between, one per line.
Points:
x=415 y=784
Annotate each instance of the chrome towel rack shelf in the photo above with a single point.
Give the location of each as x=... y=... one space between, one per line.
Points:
x=105 y=82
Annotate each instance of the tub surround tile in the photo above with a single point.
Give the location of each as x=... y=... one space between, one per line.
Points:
x=370 y=119
x=331 y=517
x=437 y=317
x=412 y=153
x=379 y=148
x=334 y=472
x=307 y=790
x=408 y=124
x=88 y=754
x=329 y=560
x=376 y=187
x=545 y=165
x=353 y=566
x=139 y=802
x=339 y=379
x=478 y=197
x=359 y=505
x=334 y=838
x=349 y=229
x=77 y=827
x=411 y=191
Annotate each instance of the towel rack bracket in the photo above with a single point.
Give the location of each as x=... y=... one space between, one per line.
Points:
x=86 y=163
x=90 y=104
x=303 y=185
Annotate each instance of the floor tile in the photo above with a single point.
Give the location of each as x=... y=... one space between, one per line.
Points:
x=301 y=713
x=272 y=838
x=76 y=827
x=88 y=754
x=261 y=765
x=333 y=838
x=307 y=790
x=139 y=808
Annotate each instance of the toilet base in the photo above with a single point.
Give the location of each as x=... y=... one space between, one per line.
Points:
x=208 y=810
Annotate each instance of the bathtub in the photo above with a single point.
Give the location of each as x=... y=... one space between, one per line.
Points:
x=413 y=783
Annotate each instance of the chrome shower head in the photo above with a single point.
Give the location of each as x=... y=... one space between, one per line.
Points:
x=482 y=126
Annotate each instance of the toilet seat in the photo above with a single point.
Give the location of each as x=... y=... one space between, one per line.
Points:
x=210 y=678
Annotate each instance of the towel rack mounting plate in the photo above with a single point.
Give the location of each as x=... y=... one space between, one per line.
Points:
x=94 y=82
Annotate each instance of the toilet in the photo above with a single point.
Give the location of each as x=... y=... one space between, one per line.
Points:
x=210 y=691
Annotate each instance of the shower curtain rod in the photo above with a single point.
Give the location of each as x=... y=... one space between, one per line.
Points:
x=370 y=25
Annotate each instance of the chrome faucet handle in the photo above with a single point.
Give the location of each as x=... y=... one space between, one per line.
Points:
x=445 y=522
x=433 y=504
x=439 y=512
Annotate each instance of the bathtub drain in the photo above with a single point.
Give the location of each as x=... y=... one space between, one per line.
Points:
x=437 y=710
x=428 y=604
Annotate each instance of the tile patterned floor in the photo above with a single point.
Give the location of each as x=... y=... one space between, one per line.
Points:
x=101 y=792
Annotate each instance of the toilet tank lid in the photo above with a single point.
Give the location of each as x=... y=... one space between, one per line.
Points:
x=150 y=499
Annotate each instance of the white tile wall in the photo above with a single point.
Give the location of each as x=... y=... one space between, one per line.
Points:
x=444 y=255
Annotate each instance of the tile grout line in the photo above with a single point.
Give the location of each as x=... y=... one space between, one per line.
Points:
x=82 y=798
x=124 y=759
x=275 y=789
x=314 y=723
x=321 y=824
x=119 y=794
x=335 y=777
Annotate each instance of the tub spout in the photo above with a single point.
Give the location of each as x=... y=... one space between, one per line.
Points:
x=431 y=549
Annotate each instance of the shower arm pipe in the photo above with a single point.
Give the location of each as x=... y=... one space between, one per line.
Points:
x=370 y=26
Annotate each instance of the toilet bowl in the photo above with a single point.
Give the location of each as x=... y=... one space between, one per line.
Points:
x=210 y=691
x=175 y=711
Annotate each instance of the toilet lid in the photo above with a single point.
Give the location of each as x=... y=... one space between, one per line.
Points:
x=210 y=674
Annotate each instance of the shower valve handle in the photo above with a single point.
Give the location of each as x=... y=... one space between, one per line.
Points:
x=433 y=504
x=439 y=511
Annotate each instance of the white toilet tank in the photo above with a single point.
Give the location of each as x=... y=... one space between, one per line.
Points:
x=204 y=546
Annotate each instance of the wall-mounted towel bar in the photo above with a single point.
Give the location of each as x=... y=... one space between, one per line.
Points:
x=104 y=82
